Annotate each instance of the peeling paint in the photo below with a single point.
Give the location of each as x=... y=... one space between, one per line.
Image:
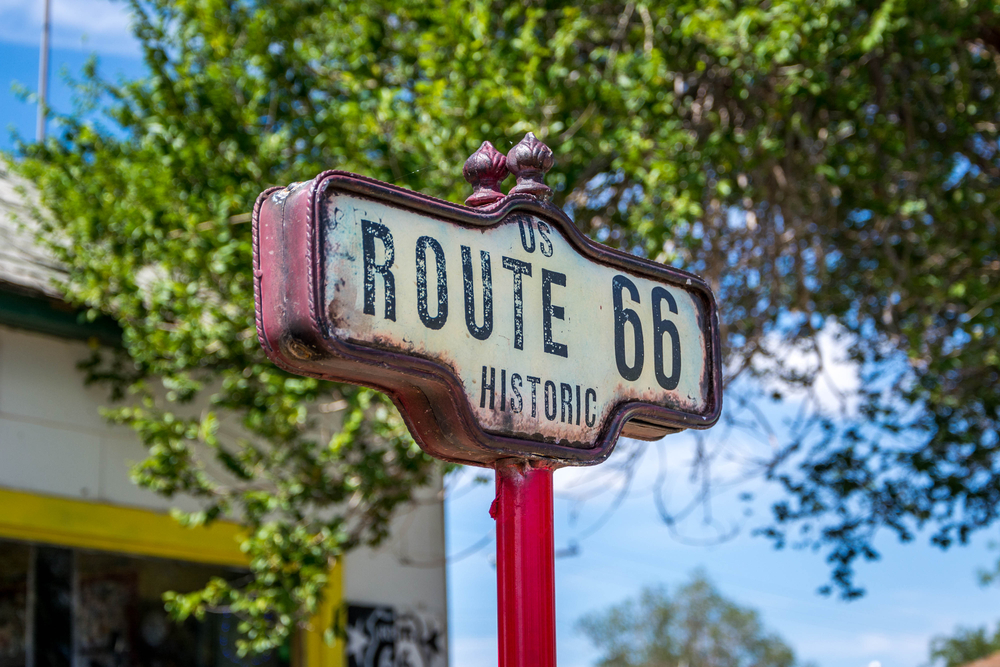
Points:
x=282 y=195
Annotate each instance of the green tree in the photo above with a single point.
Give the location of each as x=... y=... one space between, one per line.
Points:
x=827 y=165
x=964 y=646
x=697 y=627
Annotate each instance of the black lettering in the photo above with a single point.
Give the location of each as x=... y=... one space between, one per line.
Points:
x=491 y=386
x=369 y=232
x=515 y=389
x=549 y=311
x=438 y=320
x=544 y=243
x=483 y=332
x=523 y=220
x=590 y=392
x=550 y=390
x=533 y=381
x=565 y=400
x=623 y=315
x=577 y=405
x=661 y=326
x=503 y=390
x=519 y=268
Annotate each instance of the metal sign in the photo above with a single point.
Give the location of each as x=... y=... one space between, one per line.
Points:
x=499 y=330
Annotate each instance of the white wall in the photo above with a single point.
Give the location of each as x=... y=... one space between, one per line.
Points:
x=53 y=441
x=408 y=569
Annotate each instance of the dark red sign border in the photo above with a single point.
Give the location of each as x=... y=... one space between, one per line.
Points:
x=294 y=329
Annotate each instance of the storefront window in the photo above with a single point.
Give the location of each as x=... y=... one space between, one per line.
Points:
x=14 y=559
x=78 y=608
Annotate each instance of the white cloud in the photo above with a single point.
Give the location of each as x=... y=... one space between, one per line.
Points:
x=100 y=26
x=887 y=648
x=473 y=652
x=839 y=379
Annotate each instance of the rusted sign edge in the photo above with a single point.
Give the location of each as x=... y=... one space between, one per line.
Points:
x=431 y=399
x=257 y=272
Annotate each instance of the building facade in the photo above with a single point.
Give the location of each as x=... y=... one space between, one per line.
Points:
x=85 y=555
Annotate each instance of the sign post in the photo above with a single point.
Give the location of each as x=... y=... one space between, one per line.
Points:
x=505 y=337
x=526 y=590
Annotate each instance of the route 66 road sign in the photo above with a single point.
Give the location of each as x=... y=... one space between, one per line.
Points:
x=498 y=331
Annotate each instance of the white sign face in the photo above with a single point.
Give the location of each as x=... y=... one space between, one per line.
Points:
x=545 y=341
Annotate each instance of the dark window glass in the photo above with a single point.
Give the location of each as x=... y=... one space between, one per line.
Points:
x=53 y=632
x=120 y=618
x=62 y=607
x=14 y=559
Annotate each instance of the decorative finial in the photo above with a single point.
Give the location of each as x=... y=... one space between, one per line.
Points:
x=528 y=161
x=485 y=170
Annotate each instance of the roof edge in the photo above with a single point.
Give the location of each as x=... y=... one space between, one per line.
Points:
x=30 y=310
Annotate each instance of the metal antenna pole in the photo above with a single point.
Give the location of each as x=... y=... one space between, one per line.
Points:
x=526 y=606
x=43 y=76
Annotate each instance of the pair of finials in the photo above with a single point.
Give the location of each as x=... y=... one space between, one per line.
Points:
x=488 y=167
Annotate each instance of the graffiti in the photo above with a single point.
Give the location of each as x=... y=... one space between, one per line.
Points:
x=385 y=637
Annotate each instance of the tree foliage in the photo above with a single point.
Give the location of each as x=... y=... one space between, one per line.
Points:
x=965 y=646
x=697 y=627
x=827 y=166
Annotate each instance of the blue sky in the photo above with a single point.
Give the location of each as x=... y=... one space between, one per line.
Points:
x=914 y=592
x=80 y=29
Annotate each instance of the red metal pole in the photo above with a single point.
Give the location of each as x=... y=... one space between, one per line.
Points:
x=526 y=605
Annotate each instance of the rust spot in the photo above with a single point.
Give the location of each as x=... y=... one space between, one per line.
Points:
x=296 y=348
